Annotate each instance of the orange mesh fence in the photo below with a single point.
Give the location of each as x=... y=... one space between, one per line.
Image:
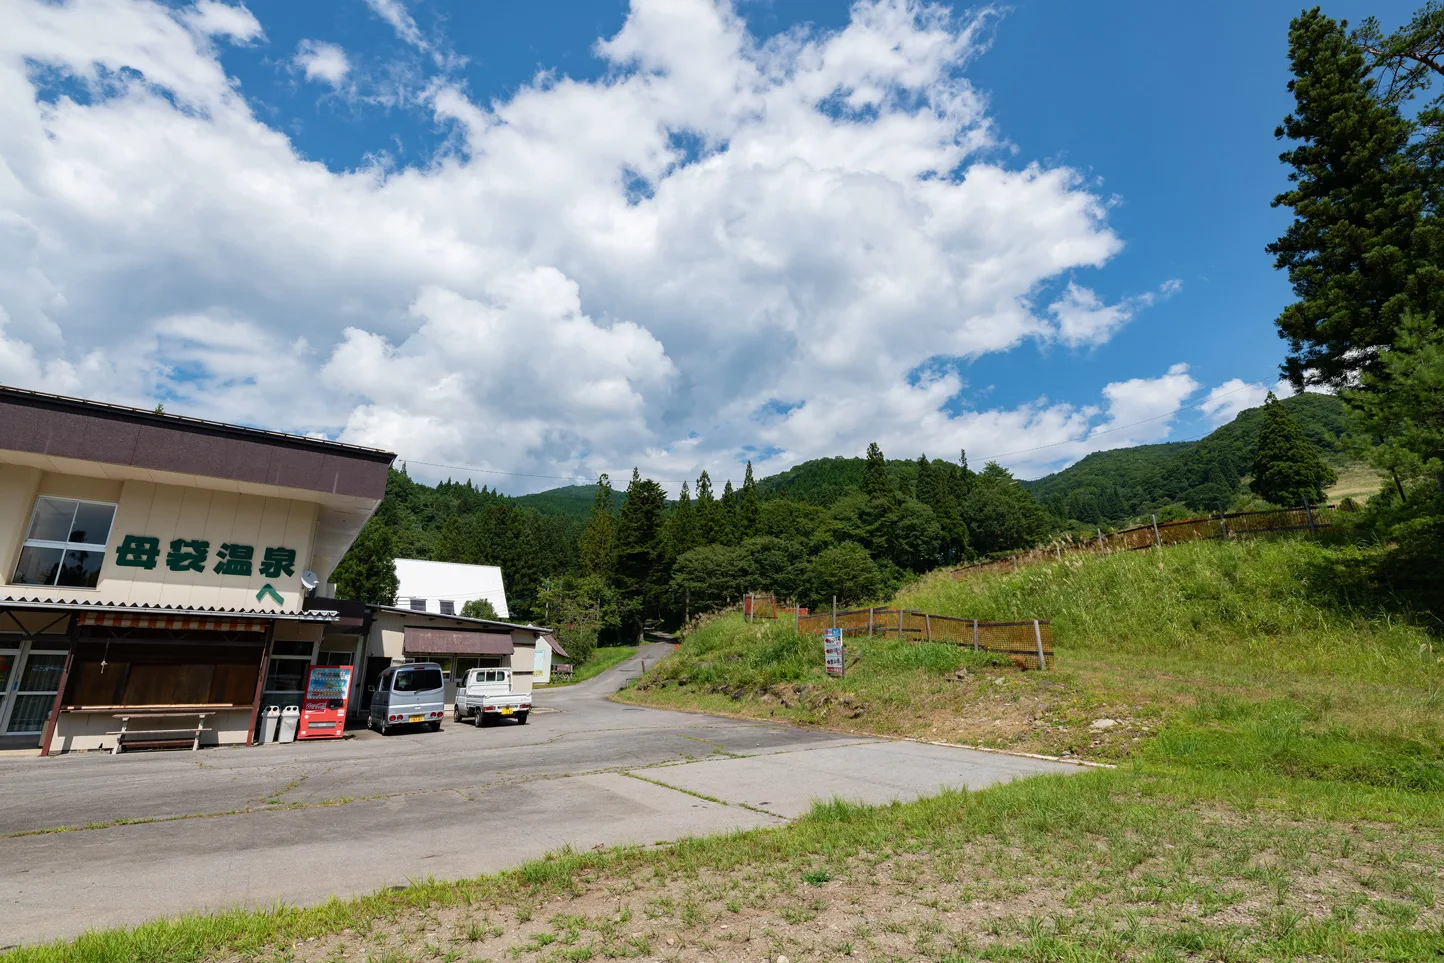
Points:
x=1165 y=533
x=1031 y=641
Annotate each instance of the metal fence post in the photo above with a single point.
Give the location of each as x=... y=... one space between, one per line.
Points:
x=1310 y=512
x=834 y=611
x=899 y=624
x=975 y=635
x=1100 y=538
x=1038 y=637
x=1223 y=520
x=1157 y=542
x=869 y=621
x=928 y=622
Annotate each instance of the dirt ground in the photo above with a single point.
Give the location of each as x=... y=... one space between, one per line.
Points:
x=1242 y=876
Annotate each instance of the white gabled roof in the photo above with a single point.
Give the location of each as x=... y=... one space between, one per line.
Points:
x=458 y=583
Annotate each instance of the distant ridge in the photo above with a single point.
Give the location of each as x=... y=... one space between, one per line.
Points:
x=1104 y=487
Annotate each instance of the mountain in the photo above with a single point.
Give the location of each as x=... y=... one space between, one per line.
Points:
x=1204 y=475
x=573 y=502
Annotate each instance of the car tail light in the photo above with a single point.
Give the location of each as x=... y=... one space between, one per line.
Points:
x=392 y=719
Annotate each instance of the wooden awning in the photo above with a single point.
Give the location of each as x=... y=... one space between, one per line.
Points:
x=125 y=620
x=424 y=641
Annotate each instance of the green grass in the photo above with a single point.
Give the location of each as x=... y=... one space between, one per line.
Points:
x=601 y=660
x=1279 y=795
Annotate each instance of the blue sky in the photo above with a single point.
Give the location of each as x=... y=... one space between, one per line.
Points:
x=1162 y=114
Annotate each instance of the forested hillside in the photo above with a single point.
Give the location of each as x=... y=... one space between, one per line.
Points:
x=604 y=562
x=1110 y=487
x=572 y=501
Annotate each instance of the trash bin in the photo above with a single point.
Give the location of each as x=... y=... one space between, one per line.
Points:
x=290 y=718
x=270 y=718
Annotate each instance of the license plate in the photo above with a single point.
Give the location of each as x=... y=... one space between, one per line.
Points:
x=415 y=718
x=505 y=711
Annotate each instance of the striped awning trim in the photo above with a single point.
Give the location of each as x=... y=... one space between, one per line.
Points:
x=120 y=620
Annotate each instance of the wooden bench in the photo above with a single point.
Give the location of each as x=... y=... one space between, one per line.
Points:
x=174 y=738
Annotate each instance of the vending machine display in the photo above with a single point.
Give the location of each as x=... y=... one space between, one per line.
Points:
x=323 y=710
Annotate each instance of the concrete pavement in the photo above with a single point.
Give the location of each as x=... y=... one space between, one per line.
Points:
x=302 y=822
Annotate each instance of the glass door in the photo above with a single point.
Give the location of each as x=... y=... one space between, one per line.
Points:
x=9 y=662
x=33 y=685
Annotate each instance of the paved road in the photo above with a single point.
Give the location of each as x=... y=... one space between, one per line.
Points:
x=302 y=822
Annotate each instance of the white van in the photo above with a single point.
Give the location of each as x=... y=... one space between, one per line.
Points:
x=409 y=694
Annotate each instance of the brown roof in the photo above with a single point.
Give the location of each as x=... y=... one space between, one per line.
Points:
x=556 y=646
x=424 y=641
x=62 y=427
x=93 y=605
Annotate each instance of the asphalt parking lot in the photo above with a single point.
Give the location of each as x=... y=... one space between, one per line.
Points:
x=173 y=832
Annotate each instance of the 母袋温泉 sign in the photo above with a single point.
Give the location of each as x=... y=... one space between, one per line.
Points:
x=192 y=555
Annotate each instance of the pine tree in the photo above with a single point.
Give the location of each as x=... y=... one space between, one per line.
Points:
x=368 y=572
x=595 y=547
x=682 y=523
x=747 y=507
x=934 y=491
x=1406 y=422
x=1354 y=252
x=451 y=544
x=706 y=513
x=1287 y=470
x=640 y=551
x=875 y=481
x=727 y=515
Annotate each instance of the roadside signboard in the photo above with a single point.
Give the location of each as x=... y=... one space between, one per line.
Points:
x=323 y=710
x=833 y=651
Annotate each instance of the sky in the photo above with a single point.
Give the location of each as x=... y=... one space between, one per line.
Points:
x=528 y=243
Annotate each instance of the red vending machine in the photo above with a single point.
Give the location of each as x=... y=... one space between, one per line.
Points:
x=323 y=710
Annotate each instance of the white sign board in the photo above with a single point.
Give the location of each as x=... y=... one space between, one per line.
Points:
x=832 y=651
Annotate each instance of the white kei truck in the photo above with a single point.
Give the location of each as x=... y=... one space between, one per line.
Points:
x=486 y=696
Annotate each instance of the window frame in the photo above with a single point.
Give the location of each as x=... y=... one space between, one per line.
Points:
x=66 y=546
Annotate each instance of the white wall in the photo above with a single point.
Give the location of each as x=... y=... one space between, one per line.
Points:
x=451 y=581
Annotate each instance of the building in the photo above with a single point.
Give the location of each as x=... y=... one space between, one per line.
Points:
x=444 y=588
x=153 y=567
x=547 y=648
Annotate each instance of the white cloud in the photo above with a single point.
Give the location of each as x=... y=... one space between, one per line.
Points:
x=1233 y=396
x=1083 y=318
x=603 y=273
x=322 y=61
x=212 y=18
x=394 y=12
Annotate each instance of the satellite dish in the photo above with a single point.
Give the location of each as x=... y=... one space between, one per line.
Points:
x=309 y=581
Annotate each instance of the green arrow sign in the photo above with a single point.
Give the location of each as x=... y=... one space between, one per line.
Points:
x=267 y=589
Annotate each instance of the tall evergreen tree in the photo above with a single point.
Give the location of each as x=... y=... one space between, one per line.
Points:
x=451 y=544
x=368 y=572
x=641 y=553
x=1405 y=424
x=595 y=548
x=1354 y=251
x=875 y=482
x=708 y=523
x=1287 y=469
x=936 y=493
x=727 y=516
x=747 y=506
x=682 y=523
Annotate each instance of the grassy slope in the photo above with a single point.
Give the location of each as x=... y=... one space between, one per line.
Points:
x=1284 y=801
x=1140 y=638
x=602 y=659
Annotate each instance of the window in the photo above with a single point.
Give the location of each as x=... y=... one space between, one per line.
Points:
x=334 y=658
x=448 y=607
x=418 y=605
x=65 y=544
x=417 y=680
